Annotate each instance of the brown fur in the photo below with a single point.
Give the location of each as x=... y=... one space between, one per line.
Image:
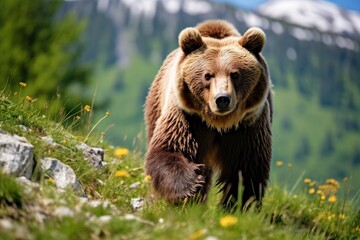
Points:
x=190 y=134
x=217 y=29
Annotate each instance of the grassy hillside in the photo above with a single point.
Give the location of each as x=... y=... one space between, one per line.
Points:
x=305 y=209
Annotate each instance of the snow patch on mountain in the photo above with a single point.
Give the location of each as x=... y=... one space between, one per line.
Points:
x=305 y=34
x=194 y=7
x=172 y=6
x=103 y=4
x=148 y=7
x=142 y=7
x=318 y=14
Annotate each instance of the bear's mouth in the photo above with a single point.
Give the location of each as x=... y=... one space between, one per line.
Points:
x=221 y=120
x=221 y=109
x=222 y=112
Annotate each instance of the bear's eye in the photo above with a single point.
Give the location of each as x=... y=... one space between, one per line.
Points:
x=208 y=77
x=234 y=75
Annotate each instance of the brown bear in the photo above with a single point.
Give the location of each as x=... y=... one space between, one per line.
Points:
x=209 y=110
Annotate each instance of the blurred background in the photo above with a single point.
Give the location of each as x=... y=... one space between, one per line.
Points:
x=105 y=53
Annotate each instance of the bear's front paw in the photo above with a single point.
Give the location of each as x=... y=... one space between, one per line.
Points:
x=184 y=185
x=198 y=182
x=175 y=178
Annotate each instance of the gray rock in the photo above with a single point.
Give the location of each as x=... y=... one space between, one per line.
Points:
x=39 y=213
x=50 y=141
x=18 y=231
x=132 y=217
x=104 y=219
x=29 y=186
x=25 y=129
x=135 y=185
x=99 y=203
x=16 y=155
x=95 y=156
x=63 y=212
x=62 y=174
x=6 y=224
x=211 y=238
x=137 y=203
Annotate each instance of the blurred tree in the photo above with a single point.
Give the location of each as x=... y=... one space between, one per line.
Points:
x=303 y=149
x=41 y=50
x=328 y=145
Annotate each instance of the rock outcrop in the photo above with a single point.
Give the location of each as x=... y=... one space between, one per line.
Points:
x=16 y=158
x=94 y=156
x=16 y=155
x=63 y=175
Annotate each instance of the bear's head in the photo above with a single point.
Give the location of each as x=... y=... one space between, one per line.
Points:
x=222 y=80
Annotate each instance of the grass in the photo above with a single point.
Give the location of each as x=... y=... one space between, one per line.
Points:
x=47 y=213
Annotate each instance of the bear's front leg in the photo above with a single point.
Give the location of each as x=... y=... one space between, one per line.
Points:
x=171 y=159
x=174 y=177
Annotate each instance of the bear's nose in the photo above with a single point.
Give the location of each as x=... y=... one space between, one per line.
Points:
x=222 y=101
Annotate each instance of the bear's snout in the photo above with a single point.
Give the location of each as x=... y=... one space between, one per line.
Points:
x=222 y=101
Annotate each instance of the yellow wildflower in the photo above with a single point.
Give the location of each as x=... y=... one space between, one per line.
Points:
x=22 y=84
x=307 y=180
x=121 y=173
x=51 y=181
x=121 y=152
x=29 y=99
x=313 y=183
x=228 y=221
x=147 y=178
x=198 y=234
x=311 y=190
x=330 y=187
x=331 y=216
x=107 y=114
x=279 y=163
x=319 y=192
x=79 y=138
x=332 y=182
x=87 y=108
x=342 y=216
x=323 y=197
x=332 y=199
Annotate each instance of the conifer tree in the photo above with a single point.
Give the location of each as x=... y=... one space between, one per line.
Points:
x=41 y=49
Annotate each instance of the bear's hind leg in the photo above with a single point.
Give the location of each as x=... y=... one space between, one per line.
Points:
x=253 y=192
x=230 y=191
x=248 y=189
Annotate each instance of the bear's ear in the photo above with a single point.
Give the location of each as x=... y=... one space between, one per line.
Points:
x=189 y=40
x=253 y=40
